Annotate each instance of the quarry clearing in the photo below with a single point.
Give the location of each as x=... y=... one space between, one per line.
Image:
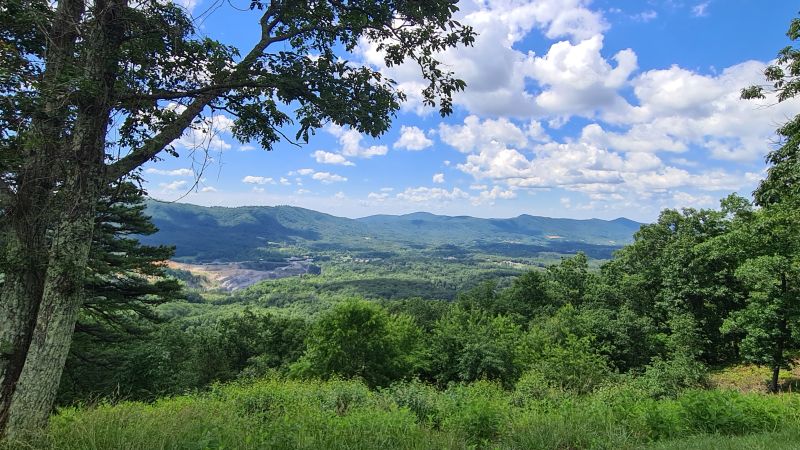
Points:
x=231 y=276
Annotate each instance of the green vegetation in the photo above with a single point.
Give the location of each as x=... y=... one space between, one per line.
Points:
x=278 y=413
x=259 y=232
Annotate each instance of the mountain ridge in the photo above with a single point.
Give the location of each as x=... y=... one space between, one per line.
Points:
x=236 y=233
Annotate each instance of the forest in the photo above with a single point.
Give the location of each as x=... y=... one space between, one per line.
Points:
x=686 y=337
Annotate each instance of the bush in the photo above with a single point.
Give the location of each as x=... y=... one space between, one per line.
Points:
x=421 y=399
x=478 y=411
x=668 y=378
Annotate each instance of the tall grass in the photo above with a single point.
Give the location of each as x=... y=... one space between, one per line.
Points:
x=275 y=413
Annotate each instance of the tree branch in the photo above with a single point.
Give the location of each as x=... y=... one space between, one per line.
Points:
x=153 y=146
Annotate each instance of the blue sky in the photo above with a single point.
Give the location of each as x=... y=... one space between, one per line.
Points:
x=574 y=108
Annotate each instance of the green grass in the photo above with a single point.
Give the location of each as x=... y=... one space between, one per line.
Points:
x=273 y=413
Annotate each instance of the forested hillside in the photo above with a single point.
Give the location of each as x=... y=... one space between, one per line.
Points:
x=236 y=234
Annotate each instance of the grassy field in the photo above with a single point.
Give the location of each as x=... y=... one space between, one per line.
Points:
x=274 y=413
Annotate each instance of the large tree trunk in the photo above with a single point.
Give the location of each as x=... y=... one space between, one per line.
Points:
x=25 y=220
x=22 y=290
x=55 y=322
x=79 y=162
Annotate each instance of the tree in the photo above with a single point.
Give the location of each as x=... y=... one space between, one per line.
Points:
x=359 y=339
x=770 y=239
x=124 y=282
x=676 y=266
x=770 y=319
x=69 y=71
x=469 y=344
x=783 y=175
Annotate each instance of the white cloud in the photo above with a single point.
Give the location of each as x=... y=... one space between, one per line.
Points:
x=350 y=140
x=302 y=191
x=171 y=173
x=250 y=179
x=285 y=181
x=438 y=178
x=489 y=196
x=324 y=157
x=426 y=194
x=700 y=9
x=339 y=195
x=174 y=186
x=327 y=177
x=475 y=133
x=494 y=71
x=686 y=200
x=378 y=197
x=645 y=16
x=575 y=79
x=246 y=148
x=679 y=109
x=412 y=138
x=208 y=189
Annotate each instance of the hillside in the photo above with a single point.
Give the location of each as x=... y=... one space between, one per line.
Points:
x=211 y=233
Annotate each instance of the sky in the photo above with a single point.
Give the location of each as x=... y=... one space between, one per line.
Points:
x=573 y=108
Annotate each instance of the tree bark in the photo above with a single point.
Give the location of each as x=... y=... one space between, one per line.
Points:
x=773 y=384
x=25 y=223
x=63 y=288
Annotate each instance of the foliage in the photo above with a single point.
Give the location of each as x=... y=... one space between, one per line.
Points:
x=276 y=413
x=359 y=339
x=470 y=344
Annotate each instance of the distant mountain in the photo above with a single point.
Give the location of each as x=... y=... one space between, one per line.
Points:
x=211 y=233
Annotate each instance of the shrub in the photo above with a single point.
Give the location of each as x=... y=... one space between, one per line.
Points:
x=478 y=411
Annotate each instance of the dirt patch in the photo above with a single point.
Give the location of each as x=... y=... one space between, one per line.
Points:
x=232 y=276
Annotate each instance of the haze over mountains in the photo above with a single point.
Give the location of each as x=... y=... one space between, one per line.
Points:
x=235 y=234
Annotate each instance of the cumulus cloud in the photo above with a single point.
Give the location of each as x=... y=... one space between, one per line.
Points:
x=378 y=196
x=575 y=79
x=494 y=70
x=324 y=157
x=350 y=141
x=438 y=178
x=425 y=194
x=412 y=138
x=174 y=186
x=327 y=177
x=489 y=196
x=677 y=110
x=475 y=133
x=250 y=179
